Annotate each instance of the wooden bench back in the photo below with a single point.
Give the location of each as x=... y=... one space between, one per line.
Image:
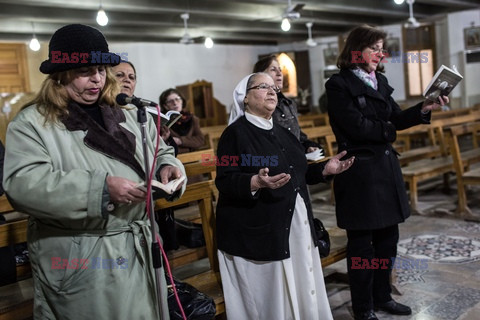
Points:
x=320 y=119
x=324 y=135
x=199 y=162
x=306 y=123
x=212 y=135
x=462 y=163
x=16 y=299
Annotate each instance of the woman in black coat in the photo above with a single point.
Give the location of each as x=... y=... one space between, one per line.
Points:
x=371 y=199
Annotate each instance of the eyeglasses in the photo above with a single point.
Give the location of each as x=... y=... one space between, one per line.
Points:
x=379 y=50
x=172 y=101
x=264 y=86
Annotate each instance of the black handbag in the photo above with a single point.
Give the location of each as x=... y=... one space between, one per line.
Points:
x=189 y=234
x=323 y=238
x=196 y=304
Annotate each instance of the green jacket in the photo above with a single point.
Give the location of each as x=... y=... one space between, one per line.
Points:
x=85 y=265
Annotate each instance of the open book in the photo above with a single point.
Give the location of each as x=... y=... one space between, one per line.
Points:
x=160 y=190
x=315 y=155
x=169 y=118
x=443 y=82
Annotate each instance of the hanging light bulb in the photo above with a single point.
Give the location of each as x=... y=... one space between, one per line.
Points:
x=399 y=1
x=102 y=18
x=208 y=43
x=34 y=44
x=285 y=24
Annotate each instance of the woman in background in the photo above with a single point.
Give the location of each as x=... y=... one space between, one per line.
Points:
x=185 y=132
x=126 y=76
x=286 y=113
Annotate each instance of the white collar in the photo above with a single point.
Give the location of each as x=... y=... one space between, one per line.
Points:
x=259 y=122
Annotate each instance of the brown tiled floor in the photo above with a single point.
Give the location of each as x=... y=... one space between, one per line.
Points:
x=445 y=282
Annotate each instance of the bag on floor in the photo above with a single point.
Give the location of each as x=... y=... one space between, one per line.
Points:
x=196 y=305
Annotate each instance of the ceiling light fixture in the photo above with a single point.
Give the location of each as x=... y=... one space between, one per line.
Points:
x=399 y=1
x=102 y=18
x=34 y=44
x=310 y=41
x=411 y=22
x=285 y=24
x=208 y=43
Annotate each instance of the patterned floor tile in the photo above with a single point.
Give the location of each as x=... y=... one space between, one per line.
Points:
x=441 y=248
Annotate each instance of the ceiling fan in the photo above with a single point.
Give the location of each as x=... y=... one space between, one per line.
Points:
x=186 y=38
x=310 y=42
x=412 y=22
x=292 y=11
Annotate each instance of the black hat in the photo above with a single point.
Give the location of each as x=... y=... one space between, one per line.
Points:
x=75 y=46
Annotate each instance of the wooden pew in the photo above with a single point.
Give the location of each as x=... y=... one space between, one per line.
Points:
x=462 y=163
x=432 y=148
x=306 y=123
x=208 y=282
x=424 y=169
x=16 y=299
x=324 y=135
x=319 y=119
x=212 y=135
x=196 y=163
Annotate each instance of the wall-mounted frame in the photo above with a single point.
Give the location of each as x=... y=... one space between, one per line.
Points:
x=471 y=37
x=393 y=47
x=330 y=55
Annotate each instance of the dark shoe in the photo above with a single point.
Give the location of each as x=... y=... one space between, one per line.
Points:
x=394 y=307
x=367 y=315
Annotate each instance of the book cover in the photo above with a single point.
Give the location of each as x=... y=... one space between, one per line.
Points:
x=160 y=190
x=442 y=83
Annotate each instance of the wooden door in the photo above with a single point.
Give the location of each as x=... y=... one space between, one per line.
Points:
x=13 y=68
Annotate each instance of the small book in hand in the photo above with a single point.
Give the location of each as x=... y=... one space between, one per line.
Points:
x=169 y=118
x=160 y=190
x=443 y=82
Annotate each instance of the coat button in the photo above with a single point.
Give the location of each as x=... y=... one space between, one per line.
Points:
x=121 y=260
x=387 y=152
x=290 y=166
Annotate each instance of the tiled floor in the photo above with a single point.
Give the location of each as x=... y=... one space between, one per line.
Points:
x=439 y=277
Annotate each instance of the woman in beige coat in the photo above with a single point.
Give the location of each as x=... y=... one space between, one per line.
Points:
x=73 y=160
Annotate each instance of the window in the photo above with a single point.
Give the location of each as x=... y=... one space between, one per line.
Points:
x=419 y=59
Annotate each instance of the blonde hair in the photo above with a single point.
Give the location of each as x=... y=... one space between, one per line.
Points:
x=52 y=99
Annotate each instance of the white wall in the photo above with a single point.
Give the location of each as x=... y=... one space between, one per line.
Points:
x=394 y=69
x=164 y=65
x=469 y=89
